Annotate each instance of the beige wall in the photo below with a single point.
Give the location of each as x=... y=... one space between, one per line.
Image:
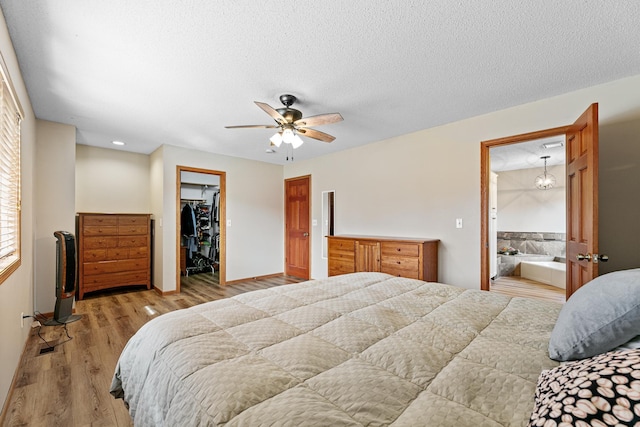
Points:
x=522 y=207
x=418 y=184
x=254 y=205
x=111 y=181
x=156 y=184
x=16 y=293
x=54 y=192
x=619 y=195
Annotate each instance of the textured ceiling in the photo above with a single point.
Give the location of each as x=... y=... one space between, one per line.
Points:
x=150 y=72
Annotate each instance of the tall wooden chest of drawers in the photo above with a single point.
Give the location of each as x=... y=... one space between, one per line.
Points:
x=113 y=250
x=404 y=257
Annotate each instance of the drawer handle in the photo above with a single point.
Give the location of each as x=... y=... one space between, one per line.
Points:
x=398 y=262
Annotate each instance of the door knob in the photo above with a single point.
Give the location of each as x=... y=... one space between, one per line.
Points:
x=305 y=234
x=601 y=258
x=581 y=257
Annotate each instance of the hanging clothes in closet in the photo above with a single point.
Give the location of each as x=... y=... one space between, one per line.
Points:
x=188 y=228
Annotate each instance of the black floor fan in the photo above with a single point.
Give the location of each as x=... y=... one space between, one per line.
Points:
x=65 y=279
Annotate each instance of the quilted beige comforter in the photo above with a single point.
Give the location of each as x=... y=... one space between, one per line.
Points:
x=354 y=350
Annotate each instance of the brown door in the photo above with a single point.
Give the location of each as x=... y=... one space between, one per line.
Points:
x=582 y=200
x=297 y=237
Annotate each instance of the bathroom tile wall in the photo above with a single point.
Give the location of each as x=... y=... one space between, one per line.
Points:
x=537 y=243
x=529 y=243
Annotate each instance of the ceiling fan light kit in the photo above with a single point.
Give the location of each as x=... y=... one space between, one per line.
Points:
x=291 y=124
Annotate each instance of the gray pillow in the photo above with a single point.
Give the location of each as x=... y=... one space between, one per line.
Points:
x=599 y=316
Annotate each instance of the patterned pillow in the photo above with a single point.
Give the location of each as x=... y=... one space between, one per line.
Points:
x=600 y=391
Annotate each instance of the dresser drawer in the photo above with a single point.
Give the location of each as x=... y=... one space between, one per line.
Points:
x=138 y=252
x=342 y=248
x=341 y=266
x=133 y=241
x=100 y=220
x=132 y=229
x=104 y=267
x=118 y=253
x=100 y=242
x=92 y=255
x=400 y=249
x=133 y=220
x=104 y=281
x=100 y=230
x=401 y=266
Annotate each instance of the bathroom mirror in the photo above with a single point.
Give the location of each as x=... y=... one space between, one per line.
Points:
x=328 y=218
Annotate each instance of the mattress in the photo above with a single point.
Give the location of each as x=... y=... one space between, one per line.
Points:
x=351 y=350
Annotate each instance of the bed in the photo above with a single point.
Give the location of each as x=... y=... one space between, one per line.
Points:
x=352 y=350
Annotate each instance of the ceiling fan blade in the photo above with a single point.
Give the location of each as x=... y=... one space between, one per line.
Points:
x=322 y=119
x=272 y=112
x=252 y=126
x=316 y=134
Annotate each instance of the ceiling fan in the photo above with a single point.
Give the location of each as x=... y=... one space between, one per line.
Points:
x=290 y=123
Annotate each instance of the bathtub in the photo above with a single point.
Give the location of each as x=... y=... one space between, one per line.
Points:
x=548 y=272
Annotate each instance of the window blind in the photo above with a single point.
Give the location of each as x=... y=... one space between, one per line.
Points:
x=9 y=180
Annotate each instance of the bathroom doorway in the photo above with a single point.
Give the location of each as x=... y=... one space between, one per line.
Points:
x=200 y=227
x=527 y=218
x=582 y=250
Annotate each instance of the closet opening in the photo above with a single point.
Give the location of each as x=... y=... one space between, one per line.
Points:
x=200 y=228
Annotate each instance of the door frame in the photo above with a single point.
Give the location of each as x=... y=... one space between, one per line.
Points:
x=222 y=277
x=286 y=231
x=485 y=169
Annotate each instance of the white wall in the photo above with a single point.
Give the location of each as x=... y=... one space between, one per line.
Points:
x=112 y=181
x=16 y=293
x=417 y=184
x=254 y=205
x=55 y=190
x=522 y=207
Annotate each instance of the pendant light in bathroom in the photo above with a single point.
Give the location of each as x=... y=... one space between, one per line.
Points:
x=546 y=180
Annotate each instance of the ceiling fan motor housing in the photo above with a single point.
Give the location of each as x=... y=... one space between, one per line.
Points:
x=290 y=114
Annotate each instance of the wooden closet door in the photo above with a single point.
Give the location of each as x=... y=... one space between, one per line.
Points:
x=297 y=227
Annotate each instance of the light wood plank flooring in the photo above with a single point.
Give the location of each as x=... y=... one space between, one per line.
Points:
x=70 y=385
x=515 y=286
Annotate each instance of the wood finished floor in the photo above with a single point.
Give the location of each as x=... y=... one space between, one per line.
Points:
x=517 y=286
x=70 y=386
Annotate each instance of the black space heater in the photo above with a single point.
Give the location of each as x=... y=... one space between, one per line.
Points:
x=65 y=279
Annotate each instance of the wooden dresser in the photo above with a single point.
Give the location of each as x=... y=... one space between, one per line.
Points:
x=404 y=257
x=113 y=250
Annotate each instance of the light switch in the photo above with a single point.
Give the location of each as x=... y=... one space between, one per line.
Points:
x=228 y=223
x=458 y=222
x=314 y=222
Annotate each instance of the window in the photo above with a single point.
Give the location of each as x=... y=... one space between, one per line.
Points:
x=10 y=117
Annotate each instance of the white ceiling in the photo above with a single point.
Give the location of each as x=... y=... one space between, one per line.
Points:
x=527 y=155
x=150 y=72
